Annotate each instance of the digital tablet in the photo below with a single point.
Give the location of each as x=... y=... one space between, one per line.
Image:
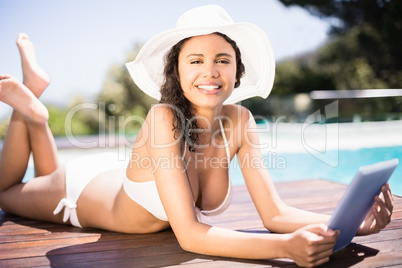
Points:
x=358 y=199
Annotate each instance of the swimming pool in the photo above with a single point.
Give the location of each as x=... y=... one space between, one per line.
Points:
x=301 y=166
x=291 y=166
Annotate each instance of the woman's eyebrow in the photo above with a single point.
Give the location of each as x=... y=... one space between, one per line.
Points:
x=202 y=55
x=223 y=55
x=195 y=55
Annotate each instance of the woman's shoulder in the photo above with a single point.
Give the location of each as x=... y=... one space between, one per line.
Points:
x=160 y=116
x=160 y=112
x=238 y=119
x=236 y=113
x=159 y=120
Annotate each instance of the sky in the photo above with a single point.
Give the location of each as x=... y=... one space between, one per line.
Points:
x=77 y=41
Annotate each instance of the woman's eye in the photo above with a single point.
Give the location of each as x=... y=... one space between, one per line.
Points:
x=222 y=61
x=196 y=62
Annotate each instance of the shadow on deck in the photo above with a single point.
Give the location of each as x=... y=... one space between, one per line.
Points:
x=28 y=243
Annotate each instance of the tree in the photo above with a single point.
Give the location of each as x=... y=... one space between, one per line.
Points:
x=374 y=25
x=121 y=97
x=345 y=14
x=363 y=52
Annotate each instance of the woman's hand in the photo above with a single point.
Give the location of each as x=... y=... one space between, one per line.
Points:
x=380 y=214
x=312 y=245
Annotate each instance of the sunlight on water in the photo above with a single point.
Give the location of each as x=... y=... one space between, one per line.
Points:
x=300 y=166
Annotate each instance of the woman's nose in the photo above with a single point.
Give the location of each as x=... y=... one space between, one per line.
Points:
x=210 y=71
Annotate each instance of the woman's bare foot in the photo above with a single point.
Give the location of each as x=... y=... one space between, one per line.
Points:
x=19 y=97
x=35 y=78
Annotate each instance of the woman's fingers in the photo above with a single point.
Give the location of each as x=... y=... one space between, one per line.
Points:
x=313 y=245
x=382 y=210
x=381 y=213
x=388 y=198
x=323 y=257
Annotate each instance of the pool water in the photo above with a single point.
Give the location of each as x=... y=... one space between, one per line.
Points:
x=301 y=166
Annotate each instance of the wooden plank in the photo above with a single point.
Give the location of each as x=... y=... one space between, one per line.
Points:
x=28 y=243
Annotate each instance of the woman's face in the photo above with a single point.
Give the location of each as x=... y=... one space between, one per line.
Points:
x=207 y=70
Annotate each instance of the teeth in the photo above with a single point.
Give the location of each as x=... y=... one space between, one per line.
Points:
x=210 y=88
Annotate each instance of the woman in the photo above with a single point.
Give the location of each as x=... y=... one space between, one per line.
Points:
x=187 y=142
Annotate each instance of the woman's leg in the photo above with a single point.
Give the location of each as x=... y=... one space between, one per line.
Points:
x=17 y=145
x=43 y=146
x=37 y=198
x=34 y=77
x=29 y=132
x=15 y=152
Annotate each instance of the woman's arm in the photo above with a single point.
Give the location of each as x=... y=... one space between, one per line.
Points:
x=276 y=216
x=315 y=243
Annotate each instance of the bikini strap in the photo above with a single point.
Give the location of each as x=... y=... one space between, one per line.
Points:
x=225 y=140
x=185 y=150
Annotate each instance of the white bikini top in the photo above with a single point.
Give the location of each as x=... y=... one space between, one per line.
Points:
x=146 y=193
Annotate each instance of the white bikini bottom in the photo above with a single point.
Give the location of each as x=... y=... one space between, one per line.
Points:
x=80 y=172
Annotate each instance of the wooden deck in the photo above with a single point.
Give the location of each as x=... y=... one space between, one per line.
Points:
x=27 y=243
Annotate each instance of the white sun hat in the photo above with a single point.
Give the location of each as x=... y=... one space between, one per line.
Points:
x=256 y=52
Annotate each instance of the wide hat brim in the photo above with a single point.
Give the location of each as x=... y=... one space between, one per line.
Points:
x=256 y=53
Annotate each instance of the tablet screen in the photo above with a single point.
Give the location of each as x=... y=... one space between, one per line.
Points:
x=358 y=199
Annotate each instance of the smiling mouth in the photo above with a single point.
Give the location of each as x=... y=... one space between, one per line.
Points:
x=209 y=87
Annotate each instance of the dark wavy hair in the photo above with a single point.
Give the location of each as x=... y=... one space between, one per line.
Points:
x=184 y=124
